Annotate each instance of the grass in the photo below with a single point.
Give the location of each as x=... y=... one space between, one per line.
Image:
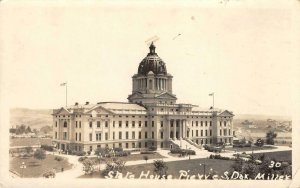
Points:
x=36 y=168
x=255 y=148
x=193 y=165
x=30 y=141
x=278 y=156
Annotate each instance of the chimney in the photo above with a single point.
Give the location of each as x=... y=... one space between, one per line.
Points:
x=86 y=103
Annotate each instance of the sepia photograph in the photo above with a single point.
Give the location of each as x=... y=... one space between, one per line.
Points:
x=137 y=93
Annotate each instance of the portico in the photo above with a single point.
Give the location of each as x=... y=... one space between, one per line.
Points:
x=177 y=128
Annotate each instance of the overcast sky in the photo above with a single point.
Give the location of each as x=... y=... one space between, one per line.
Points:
x=244 y=54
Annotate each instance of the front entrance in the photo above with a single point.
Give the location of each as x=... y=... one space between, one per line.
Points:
x=63 y=147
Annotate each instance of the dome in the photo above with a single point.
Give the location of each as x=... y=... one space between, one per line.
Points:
x=152 y=62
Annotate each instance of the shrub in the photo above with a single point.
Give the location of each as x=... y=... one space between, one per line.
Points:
x=148 y=152
x=58 y=158
x=49 y=174
x=218 y=157
x=152 y=148
x=82 y=159
x=89 y=152
x=183 y=151
x=118 y=149
x=47 y=147
x=80 y=153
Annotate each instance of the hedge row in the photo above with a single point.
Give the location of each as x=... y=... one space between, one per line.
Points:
x=183 y=151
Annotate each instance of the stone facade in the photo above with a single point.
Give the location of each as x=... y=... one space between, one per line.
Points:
x=150 y=118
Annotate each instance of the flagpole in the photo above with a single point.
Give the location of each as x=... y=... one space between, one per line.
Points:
x=213 y=100
x=66 y=94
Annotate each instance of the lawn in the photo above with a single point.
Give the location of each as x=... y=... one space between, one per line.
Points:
x=255 y=148
x=279 y=155
x=36 y=168
x=193 y=165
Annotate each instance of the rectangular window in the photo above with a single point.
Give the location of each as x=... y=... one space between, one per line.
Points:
x=152 y=123
x=79 y=124
x=205 y=132
x=133 y=145
x=220 y=123
x=106 y=136
x=229 y=132
x=201 y=132
x=224 y=123
x=140 y=124
x=210 y=123
x=75 y=124
x=79 y=136
x=113 y=135
x=120 y=124
x=220 y=132
x=133 y=124
x=120 y=135
x=91 y=124
x=192 y=133
x=106 y=124
x=205 y=123
x=65 y=135
x=196 y=132
x=127 y=135
x=113 y=124
x=210 y=132
x=196 y=123
x=161 y=124
x=133 y=135
x=161 y=135
x=146 y=135
x=140 y=144
x=146 y=123
x=146 y=144
x=152 y=135
x=201 y=123
x=126 y=124
x=56 y=124
x=120 y=145
x=126 y=145
x=56 y=135
x=224 y=132
x=91 y=137
x=140 y=134
x=98 y=124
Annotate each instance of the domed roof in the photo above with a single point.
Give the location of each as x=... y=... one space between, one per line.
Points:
x=152 y=62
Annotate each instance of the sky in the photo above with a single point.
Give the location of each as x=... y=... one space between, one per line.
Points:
x=246 y=54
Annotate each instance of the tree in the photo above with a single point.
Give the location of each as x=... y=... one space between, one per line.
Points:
x=270 y=137
x=115 y=165
x=39 y=154
x=88 y=166
x=160 y=168
x=259 y=142
x=146 y=158
x=28 y=129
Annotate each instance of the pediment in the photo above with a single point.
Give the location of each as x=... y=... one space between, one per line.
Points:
x=99 y=110
x=166 y=96
x=63 y=111
x=226 y=113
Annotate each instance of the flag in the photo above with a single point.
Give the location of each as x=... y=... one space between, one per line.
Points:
x=211 y=94
x=63 y=84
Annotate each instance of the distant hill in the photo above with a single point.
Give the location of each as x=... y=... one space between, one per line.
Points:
x=261 y=117
x=35 y=118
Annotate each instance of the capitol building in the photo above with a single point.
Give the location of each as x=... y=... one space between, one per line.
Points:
x=151 y=117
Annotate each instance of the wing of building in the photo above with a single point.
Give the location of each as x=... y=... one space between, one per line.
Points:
x=150 y=118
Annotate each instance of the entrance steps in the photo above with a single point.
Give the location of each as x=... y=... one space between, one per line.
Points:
x=184 y=144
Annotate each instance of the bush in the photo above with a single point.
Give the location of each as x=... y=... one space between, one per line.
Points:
x=219 y=157
x=80 y=153
x=49 y=174
x=183 y=151
x=89 y=152
x=47 y=147
x=122 y=153
x=58 y=158
x=152 y=148
x=148 y=152
x=82 y=159
x=118 y=149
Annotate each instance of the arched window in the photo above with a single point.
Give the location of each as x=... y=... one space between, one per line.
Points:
x=65 y=124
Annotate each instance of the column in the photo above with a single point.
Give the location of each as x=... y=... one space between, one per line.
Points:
x=180 y=128
x=168 y=129
x=174 y=129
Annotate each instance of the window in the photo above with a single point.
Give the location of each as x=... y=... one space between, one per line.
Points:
x=152 y=135
x=120 y=135
x=220 y=123
x=201 y=123
x=152 y=123
x=201 y=132
x=98 y=124
x=79 y=124
x=196 y=132
x=113 y=135
x=98 y=136
x=224 y=123
x=220 y=132
x=106 y=124
x=126 y=124
x=146 y=135
x=192 y=133
x=162 y=145
x=75 y=124
x=161 y=124
x=91 y=148
x=106 y=136
x=229 y=132
x=161 y=135
x=133 y=124
x=56 y=135
x=65 y=135
x=113 y=124
x=224 y=132
x=196 y=123
x=140 y=124
x=91 y=124
x=91 y=137
x=205 y=132
x=205 y=123
x=140 y=134
x=127 y=135
x=133 y=145
x=146 y=123
x=210 y=123
x=210 y=132
x=79 y=136
x=65 y=124
x=120 y=145
x=146 y=144
x=126 y=145
x=140 y=144
x=133 y=135
x=120 y=124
